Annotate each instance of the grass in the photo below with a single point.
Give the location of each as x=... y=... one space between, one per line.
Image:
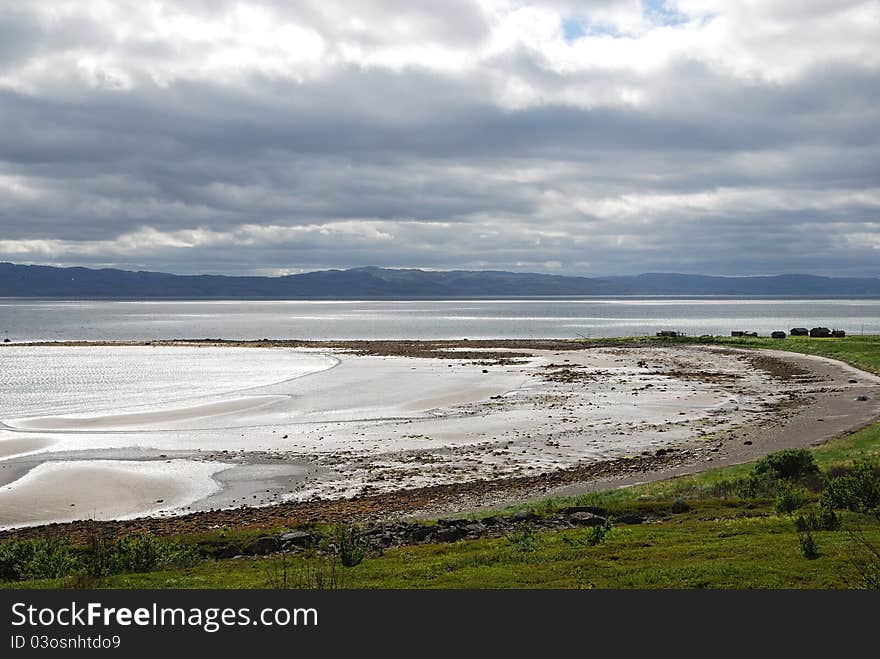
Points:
x=723 y=541
x=860 y=351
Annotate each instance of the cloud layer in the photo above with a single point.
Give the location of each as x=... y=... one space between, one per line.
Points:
x=601 y=137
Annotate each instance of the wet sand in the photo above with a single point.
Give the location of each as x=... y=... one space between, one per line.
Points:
x=434 y=432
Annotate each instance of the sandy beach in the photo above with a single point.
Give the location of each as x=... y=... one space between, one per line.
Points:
x=475 y=422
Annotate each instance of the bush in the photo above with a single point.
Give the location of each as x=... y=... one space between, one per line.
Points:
x=597 y=534
x=789 y=499
x=752 y=487
x=808 y=547
x=790 y=464
x=523 y=538
x=349 y=544
x=858 y=491
x=35 y=559
x=136 y=553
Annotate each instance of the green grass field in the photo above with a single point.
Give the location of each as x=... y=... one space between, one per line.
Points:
x=723 y=541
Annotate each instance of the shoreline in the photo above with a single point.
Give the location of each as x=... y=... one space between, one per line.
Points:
x=831 y=413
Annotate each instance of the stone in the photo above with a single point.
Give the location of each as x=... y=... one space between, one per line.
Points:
x=595 y=510
x=523 y=516
x=476 y=528
x=450 y=534
x=680 y=506
x=586 y=519
x=419 y=533
x=862 y=398
x=262 y=546
x=229 y=551
x=295 y=539
x=629 y=518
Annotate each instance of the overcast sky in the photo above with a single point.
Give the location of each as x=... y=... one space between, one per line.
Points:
x=595 y=138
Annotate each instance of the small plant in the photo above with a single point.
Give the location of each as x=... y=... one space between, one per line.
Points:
x=789 y=464
x=789 y=499
x=349 y=544
x=807 y=544
x=97 y=558
x=598 y=534
x=523 y=538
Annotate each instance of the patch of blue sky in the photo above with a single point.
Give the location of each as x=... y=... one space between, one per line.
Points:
x=659 y=13
x=575 y=28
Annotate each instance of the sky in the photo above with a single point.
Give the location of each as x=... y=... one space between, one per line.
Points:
x=588 y=138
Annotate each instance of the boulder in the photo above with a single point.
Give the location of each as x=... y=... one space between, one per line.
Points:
x=418 y=533
x=227 y=551
x=523 y=516
x=296 y=539
x=595 y=510
x=680 y=506
x=262 y=546
x=586 y=519
x=450 y=534
x=629 y=518
x=476 y=528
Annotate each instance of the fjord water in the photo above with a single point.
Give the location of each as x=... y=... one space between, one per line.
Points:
x=54 y=320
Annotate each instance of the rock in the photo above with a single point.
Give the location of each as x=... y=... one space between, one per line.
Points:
x=680 y=506
x=523 y=516
x=586 y=519
x=453 y=522
x=862 y=398
x=296 y=539
x=229 y=551
x=450 y=534
x=475 y=528
x=490 y=521
x=419 y=533
x=853 y=381
x=595 y=510
x=748 y=442
x=629 y=518
x=262 y=546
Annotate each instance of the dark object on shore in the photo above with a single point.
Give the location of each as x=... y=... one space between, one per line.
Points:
x=799 y=331
x=680 y=506
x=667 y=333
x=739 y=333
x=820 y=332
x=6 y=340
x=777 y=335
x=838 y=334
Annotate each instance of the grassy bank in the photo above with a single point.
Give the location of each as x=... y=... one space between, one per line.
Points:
x=722 y=537
x=860 y=351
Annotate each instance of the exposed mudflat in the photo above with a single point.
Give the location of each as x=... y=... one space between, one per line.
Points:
x=375 y=428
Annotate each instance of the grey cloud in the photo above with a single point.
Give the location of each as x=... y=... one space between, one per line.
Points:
x=452 y=177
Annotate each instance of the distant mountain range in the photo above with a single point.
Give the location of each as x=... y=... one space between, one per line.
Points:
x=380 y=283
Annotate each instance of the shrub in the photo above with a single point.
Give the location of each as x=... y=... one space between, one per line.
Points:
x=789 y=499
x=139 y=552
x=789 y=464
x=858 y=491
x=349 y=544
x=597 y=534
x=47 y=558
x=523 y=538
x=808 y=547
